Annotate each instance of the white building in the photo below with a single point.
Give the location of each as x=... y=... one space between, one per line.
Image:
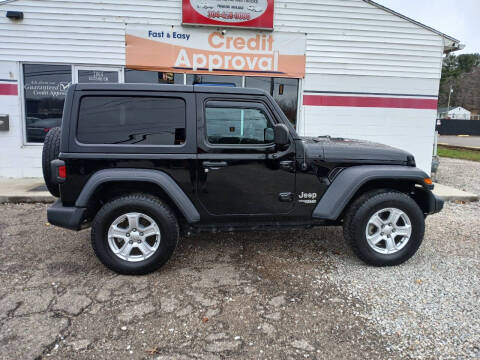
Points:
x=456 y=113
x=368 y=73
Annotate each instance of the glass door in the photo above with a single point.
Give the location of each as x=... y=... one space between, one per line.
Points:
x=97 y=74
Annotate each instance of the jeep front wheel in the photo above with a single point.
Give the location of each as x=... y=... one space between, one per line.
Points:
x=384 y=228
x=135 y=234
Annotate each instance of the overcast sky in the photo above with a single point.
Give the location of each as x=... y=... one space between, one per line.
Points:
x=457 y=18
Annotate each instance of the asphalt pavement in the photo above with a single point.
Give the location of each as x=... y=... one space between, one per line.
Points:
x=455 y=140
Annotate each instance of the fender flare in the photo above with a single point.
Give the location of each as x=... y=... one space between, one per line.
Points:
x=163 y=180
x=348 y=182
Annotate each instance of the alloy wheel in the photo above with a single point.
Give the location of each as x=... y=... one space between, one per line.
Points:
x=134 y=237
x=388 y=231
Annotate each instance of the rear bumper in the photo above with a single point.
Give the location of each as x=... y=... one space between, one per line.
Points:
x=435 y=204
x=69 y=217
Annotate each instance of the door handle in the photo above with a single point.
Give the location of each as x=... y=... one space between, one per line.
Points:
x=214 y=165
x=285 y=197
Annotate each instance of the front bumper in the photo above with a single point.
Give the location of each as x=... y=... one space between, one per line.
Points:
x=69 y=217
x=435 y=204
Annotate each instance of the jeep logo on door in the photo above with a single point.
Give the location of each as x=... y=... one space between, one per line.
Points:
x=307 y=198
x=253 y=13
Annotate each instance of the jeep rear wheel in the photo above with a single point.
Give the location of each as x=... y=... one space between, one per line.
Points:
x=135 y=234
x=384 y=227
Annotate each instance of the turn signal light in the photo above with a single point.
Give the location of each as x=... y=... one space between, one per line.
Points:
x=428 y=181
x=62 y=172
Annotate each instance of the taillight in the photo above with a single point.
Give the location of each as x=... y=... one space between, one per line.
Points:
x=62 y=172
x=58 y=171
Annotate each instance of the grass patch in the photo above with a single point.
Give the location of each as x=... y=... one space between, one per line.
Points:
x=458 y=153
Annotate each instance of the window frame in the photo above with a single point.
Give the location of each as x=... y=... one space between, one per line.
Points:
x=75 y=145
x=231 y=101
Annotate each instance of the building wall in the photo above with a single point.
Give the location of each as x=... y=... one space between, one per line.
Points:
x=459 y=113
x=410 y=129
x=345 y=37
x=352 y=47
x=15 y=159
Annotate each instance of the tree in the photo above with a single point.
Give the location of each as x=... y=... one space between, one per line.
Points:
x=456 y=65
x=466 y=62
x=456 y=71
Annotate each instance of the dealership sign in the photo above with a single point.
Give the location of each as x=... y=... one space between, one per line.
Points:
x=238 y=13
x=207 y=51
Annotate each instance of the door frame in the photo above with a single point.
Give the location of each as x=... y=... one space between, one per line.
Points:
x=236 y=152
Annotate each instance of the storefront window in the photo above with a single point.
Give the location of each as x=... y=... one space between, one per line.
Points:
x=285 y=93
x=45 y=87
x=283 y=90
x=214 y=80
x=152 y=77
x=259 y=82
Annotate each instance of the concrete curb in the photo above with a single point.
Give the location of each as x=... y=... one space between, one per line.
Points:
x=448 y=193
x=453 y=198
x=24 y=190
x=458 y=147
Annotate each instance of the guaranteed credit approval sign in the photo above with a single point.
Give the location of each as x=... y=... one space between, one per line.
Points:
x=237 y=13
x=210 y=51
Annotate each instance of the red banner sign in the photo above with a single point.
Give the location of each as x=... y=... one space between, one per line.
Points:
x=256 y=14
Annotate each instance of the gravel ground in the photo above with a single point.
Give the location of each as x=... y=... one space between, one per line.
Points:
x=430 y=305
x=273 y=295
x=462 y=174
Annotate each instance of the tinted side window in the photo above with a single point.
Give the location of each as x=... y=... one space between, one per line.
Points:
x=228 y=125
x=131 y=120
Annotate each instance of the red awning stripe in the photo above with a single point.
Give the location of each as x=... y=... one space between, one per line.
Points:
x=370 y=101
x=8 y=89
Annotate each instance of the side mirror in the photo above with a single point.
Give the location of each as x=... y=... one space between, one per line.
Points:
x=280 y=135
x=268 y=135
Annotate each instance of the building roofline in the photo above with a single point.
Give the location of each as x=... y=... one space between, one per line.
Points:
x=413 y=21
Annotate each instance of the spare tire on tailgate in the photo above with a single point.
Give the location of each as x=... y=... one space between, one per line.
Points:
x=51 y=149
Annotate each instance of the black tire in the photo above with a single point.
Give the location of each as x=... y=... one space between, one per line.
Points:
x=360 y=212
x=148 y=205
x=51 y=149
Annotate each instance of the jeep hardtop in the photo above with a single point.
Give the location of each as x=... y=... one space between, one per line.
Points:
x=141 y=164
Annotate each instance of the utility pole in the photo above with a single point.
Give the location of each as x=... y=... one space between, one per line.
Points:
x=449 y=96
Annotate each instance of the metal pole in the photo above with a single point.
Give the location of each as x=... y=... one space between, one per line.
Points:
x=449 y=95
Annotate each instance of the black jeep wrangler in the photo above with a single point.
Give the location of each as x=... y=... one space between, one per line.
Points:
x=141 y=164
